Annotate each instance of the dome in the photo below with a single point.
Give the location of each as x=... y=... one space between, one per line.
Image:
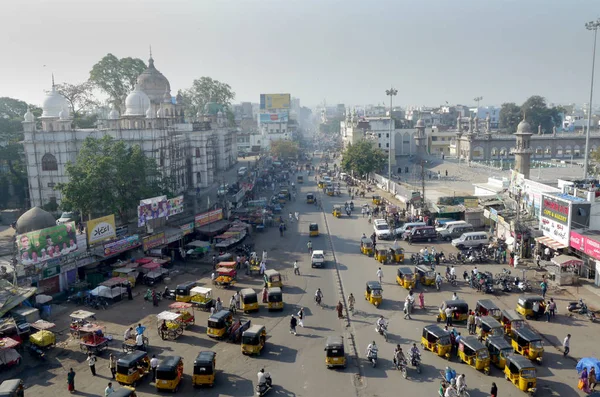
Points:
x=114 y=114
x=64 y=114
x=34 y=219
x=28 y=117
x=53 y=103
x=136 y=102
x=524 y=126
x=154 y=83
x=420 y=124
x=149 y=113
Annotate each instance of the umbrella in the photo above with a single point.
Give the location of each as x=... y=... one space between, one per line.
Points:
x=588 y=362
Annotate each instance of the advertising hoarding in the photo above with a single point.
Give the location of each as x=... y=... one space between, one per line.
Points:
x=46 y=244
x=153 y=241
x=101 y=229
x=159 y=207
x=188 y=228
x=273 y=118
x=585 y=244
x=274 y=101
x=555 y=210
x=555 y=230
x=122 y=245
x=209 y=217
x=471 y=203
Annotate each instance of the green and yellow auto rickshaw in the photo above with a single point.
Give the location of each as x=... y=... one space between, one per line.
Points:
x=310 y=198
x=366 y=246
x=528 y=344
x=204 y=369
x=335 y=355
x=487 y=307
x=377 y=199
x=248 y=300
x=526 y=303
x=182 y=291
x=519 y=371
x=471 y=351
x=437 y=340
x=405 y=277
x=254 y=339
x=374 y=293
x=499 y=349
x=489 y=326
x=337 y=211
x=511 y=320
x=132 y=367
x=460 y=310
x=425 y=275
x=219 y=323
x=313 y=230
x=169 y=373
x=274 y=299
x=273 y=278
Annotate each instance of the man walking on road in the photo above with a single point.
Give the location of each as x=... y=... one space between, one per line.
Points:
x=296 y=269
x=293 y=324
x=92 y=363
x=301 y=317
x=567 y=345
x=379 y=275
x=153 y=366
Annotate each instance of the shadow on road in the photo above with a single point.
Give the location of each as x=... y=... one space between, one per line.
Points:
x=292 y=290
x=279 y=353
x=280 y=391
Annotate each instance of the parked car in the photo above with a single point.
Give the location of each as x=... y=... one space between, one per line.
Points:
x=68 y=217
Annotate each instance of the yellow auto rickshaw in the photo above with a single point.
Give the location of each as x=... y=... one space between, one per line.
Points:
x=254 y=339
x=169 y=373
x=383 y=254
x=249 y=300
x=300 y=179
x=511 y=321
x=397 y=253
x=489 y=326
x=486 y=307
x=425 y=275
x=321 y=184
x=132 y=368
x=521 y=373
x=374 y=293
x=204 y=369
x=437 y=340
x=329 y=190
x=274 y=299
x=337 y=211
x=219 y=323
x=474 y=353
x=377 y=199
x=313 y=230
x=405 y=277
x=310 y=198
x=366 y=246
x=526 y=303
x=202 y=298
x=335 y=355
x=273 y=278
x=460 y=310
x=182 y=292
x=499 y=349
x=528 y=344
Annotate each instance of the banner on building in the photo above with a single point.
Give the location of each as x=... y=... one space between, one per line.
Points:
x=208 y=217
x=274 y=101
x=159 y=207
x=188 y=228
x=585 y=244
x=556 y=210
x=272 y=118
x=101 y=229
x=555 y=230
x=54 y=242
x=122 y=245
x=494 y=214
x=153 y=241
x=471 y=203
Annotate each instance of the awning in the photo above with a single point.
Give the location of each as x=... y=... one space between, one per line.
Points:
x=566 y=260
x=550 y=242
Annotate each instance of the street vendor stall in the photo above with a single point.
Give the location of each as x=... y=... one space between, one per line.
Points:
x=564 y=269
x=197 y=248
x=43 y=338
x=79 y=319
x=93 y=339
x=187 y=312
x=8 y=353
x=169 y=325
x=202 y=298
x=226 y=277
x=117 y=285
x=127 y=273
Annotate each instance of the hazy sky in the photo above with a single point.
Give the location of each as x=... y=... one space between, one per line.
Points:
x=348 y=51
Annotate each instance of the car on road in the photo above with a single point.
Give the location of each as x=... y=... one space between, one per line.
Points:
x=68 y=217
x=242 y=171
x=317 y=259
x=472 y=239
x=382 y=229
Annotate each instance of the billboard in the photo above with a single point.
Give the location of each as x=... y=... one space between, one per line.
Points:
x=274 y=101
x=209 y=217
x=556 y=210
x=156 y=240
x=272 y=118
x=159 y=207
x=122 y=245
x=101 y=229
x=53 y=242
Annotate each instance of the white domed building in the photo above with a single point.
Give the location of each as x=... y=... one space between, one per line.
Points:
x=191 y=152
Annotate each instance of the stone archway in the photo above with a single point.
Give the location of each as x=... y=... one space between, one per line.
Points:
x=494 y=153
x=478 y=153
x=398 y=148
x=568 y=151
x=548 y=152
x=577 y=151
x=539 y=152
x=511 y=153
x=559 y=152
x=504 y=153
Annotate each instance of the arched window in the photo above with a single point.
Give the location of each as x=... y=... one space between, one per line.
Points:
x=49 y=163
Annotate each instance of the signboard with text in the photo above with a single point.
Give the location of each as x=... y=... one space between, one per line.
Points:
x=122 y=245
x=153 y=241
x=54 y=242
x=101 y=229
x=159 y=207
x=209 y=217
x=274 y=101
x=188 y=228
x=555 y=209
x=585 y=244
x=555 y=230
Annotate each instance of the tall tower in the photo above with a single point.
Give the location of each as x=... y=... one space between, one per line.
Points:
x=421 y=138
x=523 y=148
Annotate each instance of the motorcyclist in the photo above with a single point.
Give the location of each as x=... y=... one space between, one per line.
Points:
x=262 y=378
x=399 y=356
x=451 y=390
x=363 y=236
x=414 y=352
x=309 y=246
x=372 y=349
x=461 y=383
x=454 y=296
x=438 y=280
x=381 y=323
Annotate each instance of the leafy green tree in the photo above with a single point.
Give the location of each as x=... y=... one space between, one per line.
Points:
x=116 y=77
x=204 y=90
x=537 y=112
x=109 y=177
x=363 y=158
x=284 y=149
x=81 y=101
x=510 y=116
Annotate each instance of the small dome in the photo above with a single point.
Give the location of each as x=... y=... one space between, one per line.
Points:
x=114 y=114
x=154 y=83
x=420 y=124
x=28 y=117
x=34 y=219
x=524 y=126
x=136 y=102
x=64 y=114
x=53 y=103
x=149 y=113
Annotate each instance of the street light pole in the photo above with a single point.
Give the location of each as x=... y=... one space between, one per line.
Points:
x=592 y=25
x=391 y=92
x=478 y=99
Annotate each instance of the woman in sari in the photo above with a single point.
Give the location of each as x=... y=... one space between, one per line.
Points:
x=583 y=381
x=71 y=380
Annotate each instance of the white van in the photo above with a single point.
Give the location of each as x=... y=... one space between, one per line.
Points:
x=242 y=171
x=407 y=227
x=454 y=231
x=448 y=224
x=382 y=229
x=471 y=240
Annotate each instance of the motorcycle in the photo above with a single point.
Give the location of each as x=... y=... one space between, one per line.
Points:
x=415 y=360
x=263 y=388
x=168 y=293
x=372 y=357
x=401 y=366
x=504 y=286
x=524 y=286
x=451 y=279
x=438 y=284
x=581 y=308
x=382 y=330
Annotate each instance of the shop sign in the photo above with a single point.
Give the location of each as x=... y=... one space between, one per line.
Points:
x=122 y=245
x=486 y=214
x=153 y=241
x=584 y=244
x=101 y=229
x=188 y=228
x=555 y=230
x=85 y=261
x=208 y=217
x=50 y=272
x=577 y=241
x=493 y=214
x=471 y=203
x=66 y=268
x=555 y=209
x=174 y=237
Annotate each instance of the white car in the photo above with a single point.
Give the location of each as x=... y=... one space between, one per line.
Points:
x=317 y=259
x=382 y=229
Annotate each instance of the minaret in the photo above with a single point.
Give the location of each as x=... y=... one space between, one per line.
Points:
x=523 y=150
x=421 y=138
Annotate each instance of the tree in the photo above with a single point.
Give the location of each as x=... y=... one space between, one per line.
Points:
x=510 y=116
x=109 y=177
x=537 y=112
x=284 y=149
x=79 y=96
x=363 y=158
x=204 y=90
x=116 y=77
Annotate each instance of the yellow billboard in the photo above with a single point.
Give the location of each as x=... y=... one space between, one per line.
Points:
x=471 y=203
x=101 y=229
x=275 y=101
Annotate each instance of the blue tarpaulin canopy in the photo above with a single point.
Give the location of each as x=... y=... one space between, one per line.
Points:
x=588 y=362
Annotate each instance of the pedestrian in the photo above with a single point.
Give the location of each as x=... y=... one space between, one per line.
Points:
x=592 y=379
x=584 y=381
x=71 y=380
x=301 y=317
x=567 y=345
x=446 y=172
x=547 y=311
x=538 y=258
x=237 y=300
x=129 y=292
x=552 y=307
x=421 y=300
x=154 y=298
x=291 y=217
x=263 y=267
x=407 y=307
x=109 y=390
x=454 y=296
x=544 y=288
x=379 y=274
x=139 y=342
x=153 y=366
x=232 y=305
x=494 y=390
x=449 y=313
x=547 y=253
x=340 y=309
x=214 y=262
x=91 y=359
x=247 y=266
x=293 y=323
x=297 y=215
x=471 y=323
x=238 y=262
x=296 y=269
x=112 y=365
